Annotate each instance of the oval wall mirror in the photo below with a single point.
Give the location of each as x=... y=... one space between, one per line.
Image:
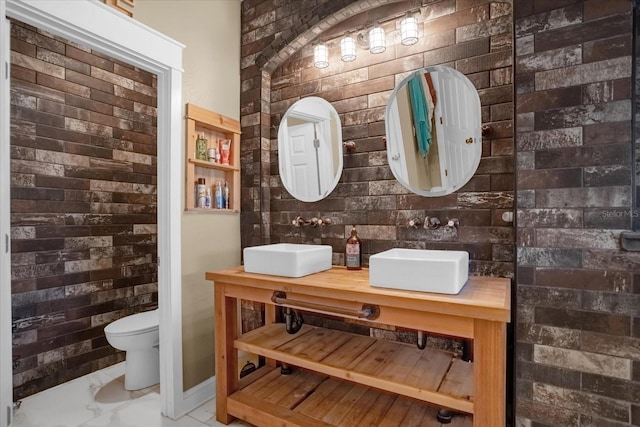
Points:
x=434 y=131
x=310 y=149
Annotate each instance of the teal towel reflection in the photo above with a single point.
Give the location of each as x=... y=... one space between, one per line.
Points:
x=420 y=115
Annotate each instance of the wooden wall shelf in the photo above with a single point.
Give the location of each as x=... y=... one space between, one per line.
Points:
x=215 y=127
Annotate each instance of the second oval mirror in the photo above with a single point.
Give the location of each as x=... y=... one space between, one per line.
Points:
x=310 y=149
x=434 y=134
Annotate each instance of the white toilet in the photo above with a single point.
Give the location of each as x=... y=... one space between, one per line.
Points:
x=139 y=336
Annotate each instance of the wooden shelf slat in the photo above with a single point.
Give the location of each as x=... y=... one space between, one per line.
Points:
x=457 y=380
x=430 y=369
x=216 y=166
x=307 y=399
x=385 y=365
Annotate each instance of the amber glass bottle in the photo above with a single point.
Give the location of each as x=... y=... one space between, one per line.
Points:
x=353 y=256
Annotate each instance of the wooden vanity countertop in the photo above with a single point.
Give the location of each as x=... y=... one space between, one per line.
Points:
x=487 y=298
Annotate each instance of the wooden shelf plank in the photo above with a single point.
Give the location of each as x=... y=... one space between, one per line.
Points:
x=344 y=356
x=316 y=344
x=457 y=383
x=258 y=412
x=209 y=211
x=420 y=415
x=212 y=120
x=272 y=337
x=395 y=414
x=306 y=399
x=371 y=414
x=345 y=404
x=318 y=403
x=385 y=365
x=430 y=368
x=209 y=165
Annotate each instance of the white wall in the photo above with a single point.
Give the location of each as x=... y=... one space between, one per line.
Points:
x=210 y=29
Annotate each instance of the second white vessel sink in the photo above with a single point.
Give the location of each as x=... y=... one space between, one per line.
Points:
x=424 y=270
x=287 y=259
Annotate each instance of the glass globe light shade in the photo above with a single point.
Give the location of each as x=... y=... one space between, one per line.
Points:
x=321 y=56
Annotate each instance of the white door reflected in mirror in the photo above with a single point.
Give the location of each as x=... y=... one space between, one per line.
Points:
x=310 y=149
x=433 y=127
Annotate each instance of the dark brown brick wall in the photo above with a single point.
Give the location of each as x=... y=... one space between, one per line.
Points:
x=83 y=205
x=473 y=37
x=578 y=350
x=577 y=328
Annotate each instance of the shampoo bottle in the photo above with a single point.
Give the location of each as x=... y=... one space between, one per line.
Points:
x=353 y=258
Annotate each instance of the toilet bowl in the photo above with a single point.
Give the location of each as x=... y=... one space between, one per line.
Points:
x=138 y=335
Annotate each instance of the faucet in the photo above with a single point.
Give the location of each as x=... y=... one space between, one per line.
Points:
x=298 y=221
x=319 y=221
x=314 y=222
x=432 y=222
x=452 y=223
x=414 y=222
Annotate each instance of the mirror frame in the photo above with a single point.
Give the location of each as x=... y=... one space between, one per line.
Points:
x=336 y=144
x=394 y=152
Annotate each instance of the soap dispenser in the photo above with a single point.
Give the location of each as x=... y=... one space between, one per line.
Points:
x=353 y=256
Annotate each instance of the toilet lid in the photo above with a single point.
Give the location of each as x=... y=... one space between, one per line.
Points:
x=136 y=323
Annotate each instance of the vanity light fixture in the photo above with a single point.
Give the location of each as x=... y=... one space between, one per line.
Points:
x=377 y=42
x=348 y=48
x=321 y=56
x=374 y=39
x=409 y=30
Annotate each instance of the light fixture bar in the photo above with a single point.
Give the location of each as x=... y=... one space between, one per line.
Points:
x=376 y=40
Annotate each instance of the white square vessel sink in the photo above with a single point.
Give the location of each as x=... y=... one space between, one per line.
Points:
x=287 y=259
x=443 y=272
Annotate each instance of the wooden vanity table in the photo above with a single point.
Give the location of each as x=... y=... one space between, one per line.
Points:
x=345 y=379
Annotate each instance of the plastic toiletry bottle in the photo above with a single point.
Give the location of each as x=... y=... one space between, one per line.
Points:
x=211 y=154
x=225 y=150
x=201 y=193
x=226 y=196
x=207 y=202
x=201 y=147
x=219 y=200
x=354 y=251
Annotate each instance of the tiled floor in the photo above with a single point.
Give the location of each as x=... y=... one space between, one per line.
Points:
x=100 y=400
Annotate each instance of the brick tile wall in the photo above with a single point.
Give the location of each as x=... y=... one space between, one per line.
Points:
x=83 y=205
x=577 y=292
x=472 y=37
x=578 y=349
